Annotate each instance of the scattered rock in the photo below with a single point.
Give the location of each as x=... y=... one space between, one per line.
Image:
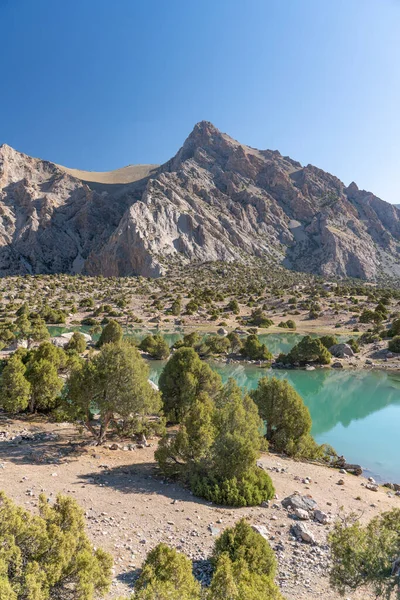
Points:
x=261 y=529
x=301 y=531
x=301 y=514
x=371 y=486
x=321 y=517
x=296 y=501
x=341 y=351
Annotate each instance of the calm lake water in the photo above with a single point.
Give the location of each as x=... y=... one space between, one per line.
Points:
x=357 y=412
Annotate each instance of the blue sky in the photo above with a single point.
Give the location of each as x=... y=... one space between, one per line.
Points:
x=98 y=84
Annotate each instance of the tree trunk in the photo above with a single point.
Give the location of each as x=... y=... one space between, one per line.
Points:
x=104 y=426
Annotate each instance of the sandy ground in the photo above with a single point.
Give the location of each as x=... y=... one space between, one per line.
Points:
x=129 y=508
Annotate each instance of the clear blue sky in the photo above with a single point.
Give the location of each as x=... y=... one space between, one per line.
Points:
x=98 y=84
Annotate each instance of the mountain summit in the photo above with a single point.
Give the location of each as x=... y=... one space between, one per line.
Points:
x=216 y=199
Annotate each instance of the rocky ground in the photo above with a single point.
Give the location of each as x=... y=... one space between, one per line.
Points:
x=129 y=508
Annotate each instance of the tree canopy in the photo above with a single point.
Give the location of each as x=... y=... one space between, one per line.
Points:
x=114 y=382
x=307 y=350
x=49 y=555
x=167 y=575
x=182 y=379
x=367 y=557
x=156 y=346
x=288 y=421
x=253 y=349
x=112 y=333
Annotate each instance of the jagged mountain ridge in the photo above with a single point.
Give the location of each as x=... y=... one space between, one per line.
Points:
x=216 y=199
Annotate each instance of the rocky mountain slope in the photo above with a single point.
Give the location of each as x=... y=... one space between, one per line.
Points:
x=215 y=200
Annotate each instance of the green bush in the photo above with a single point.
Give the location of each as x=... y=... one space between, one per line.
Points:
x=190 y=340
x=167 y=574
x=253 y=349
x=214 y=344
x=49 y=555
x=156 y=346
x=260 y=319
x=289 y=324
x=353 y=345
x=111 y=334
x=77 y=342
x=241 y=542
x=216 y=448
x=252 y=489
x=235 y=581
x=307 y=350
x=394 y=344
x=288 y=421
x=328 y=341
x=395 y=328
x=369 y=337
x=182 y=379
x=363 y=557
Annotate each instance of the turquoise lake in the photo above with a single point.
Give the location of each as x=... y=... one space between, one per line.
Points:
x=357 y=412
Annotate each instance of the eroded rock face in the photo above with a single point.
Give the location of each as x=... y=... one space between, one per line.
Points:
x=215 y=200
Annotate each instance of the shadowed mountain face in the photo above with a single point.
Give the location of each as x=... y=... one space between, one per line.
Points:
x=215 y=200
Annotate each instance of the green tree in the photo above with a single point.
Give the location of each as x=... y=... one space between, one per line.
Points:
x=233 y=306
x=260 y=319
x=394 y=344
x=235 y=341
x=45 y=384
x=189 y=340
x=241 y=542
x=33 y=330
x=182 y=379
x=237 y=445
x=156 y=346
x=214 y=344
x=177 y=453
x=53 y=354
x=370 y=316
x=77 y=343
x=308 y=350
x=49 y=555
x=39 y=331
x=235 y=581
x=176 y=307
x=111 y=334
x=328 y=341
x=224 y=582
x=14 y=387
x=115 y=382
x=253 y=349
x=6 y=335
x=395 y=328
x=288 y=421
x=216 y=448
x=167 y=575
x=367 y=557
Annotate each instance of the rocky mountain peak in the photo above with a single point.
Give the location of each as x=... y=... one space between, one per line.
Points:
x=216 y=199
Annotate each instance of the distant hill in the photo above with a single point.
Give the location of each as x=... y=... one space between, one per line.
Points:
x=215 y=200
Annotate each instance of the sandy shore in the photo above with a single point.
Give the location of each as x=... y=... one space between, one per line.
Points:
x=129 y=508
